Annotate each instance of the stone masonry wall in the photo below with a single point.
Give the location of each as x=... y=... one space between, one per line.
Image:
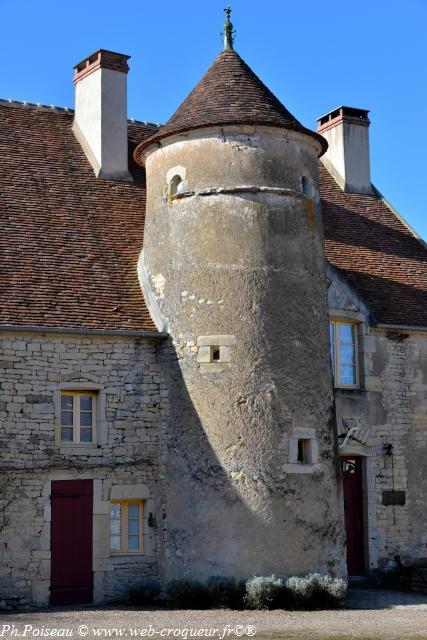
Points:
x=390 y=407
x=32 y=369
x=400 y=366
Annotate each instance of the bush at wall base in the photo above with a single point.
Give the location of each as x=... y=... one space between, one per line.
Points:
x=314 y=591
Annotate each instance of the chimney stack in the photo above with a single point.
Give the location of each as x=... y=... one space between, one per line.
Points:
x=100 y=119
x=347 y=131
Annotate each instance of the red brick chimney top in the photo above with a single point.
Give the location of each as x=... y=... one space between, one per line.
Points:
x=101 y=59
x=340 y=115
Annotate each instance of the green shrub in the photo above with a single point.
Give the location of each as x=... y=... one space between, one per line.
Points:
x=300 y=591
x=316 y=591
x=188 y=594
x=226 y=592
x=337 y=591
x=264 y=593
x=145 y=594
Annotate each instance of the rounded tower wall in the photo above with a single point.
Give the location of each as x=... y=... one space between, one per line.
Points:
x=251 y=154
x=234 y=262
x=241 y=203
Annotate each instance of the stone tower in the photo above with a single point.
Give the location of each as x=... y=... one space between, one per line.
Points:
x=233 y=268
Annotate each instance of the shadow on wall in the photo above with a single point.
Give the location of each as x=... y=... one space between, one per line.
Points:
x=221 y=521
x=380 y=599
x=377 y=230
x=389 y=300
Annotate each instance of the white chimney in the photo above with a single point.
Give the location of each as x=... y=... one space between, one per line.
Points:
x=100 y=119
x=347 y=132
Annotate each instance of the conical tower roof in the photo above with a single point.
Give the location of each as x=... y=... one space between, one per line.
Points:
x=229 y=93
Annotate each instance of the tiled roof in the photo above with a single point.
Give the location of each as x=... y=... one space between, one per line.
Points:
x=376 y=253
x=230 y=93
x=69 y=243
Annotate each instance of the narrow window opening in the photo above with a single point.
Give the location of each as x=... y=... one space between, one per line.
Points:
x=303 y=451
x=343 y=342
x=215 y=354
x=176 y=185
x=305 y=186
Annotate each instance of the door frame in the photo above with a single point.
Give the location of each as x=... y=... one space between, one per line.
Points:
x=348 y=455
x=84 y=492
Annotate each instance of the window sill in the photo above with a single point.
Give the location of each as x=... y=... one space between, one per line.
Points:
x=121 y=554
x=88 y=445
x=350 y=391
x=214 y=367
x=295 y=467
x=80 y=449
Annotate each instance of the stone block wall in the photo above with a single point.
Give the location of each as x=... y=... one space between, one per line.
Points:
x=33 y=367
x=389 y=408
x=416 y=579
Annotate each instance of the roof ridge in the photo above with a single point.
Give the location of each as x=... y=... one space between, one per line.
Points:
x=146 y=123
x=399 y=216
x=8 y=102
x=34 y=105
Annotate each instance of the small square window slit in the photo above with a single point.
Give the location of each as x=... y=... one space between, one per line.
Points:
x=215 y=354
x=214 y=350
x=303 y=451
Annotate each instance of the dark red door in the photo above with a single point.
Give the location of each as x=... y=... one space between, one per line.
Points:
x=71 y=542
x=353 y=512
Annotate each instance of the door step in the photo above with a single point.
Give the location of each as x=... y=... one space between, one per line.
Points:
x=362 y=582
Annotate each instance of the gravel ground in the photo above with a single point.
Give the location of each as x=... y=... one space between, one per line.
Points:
x=369 y=613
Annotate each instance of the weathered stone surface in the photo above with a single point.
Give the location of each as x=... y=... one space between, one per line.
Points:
x=388 y=408
x=29 y=458
x=249 y=263
x=37 y=399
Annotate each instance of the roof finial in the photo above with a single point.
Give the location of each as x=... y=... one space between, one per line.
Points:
x=228 y=31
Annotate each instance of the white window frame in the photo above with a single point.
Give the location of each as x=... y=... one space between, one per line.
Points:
x=100 y=433
x=124 y=519
x=336 y=361
x=76 y=426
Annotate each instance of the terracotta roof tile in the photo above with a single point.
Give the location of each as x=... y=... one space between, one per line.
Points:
x=69 y=243
x=376 y=253
x=229 y=93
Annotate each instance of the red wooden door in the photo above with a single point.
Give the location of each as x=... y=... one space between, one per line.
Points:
x=353 y=512
x=71 y=542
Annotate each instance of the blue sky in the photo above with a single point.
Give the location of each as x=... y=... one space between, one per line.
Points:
x=313 y=55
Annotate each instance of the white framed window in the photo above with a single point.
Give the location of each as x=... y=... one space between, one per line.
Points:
x=78 y=417
x=126 y=526
x=344 y=353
